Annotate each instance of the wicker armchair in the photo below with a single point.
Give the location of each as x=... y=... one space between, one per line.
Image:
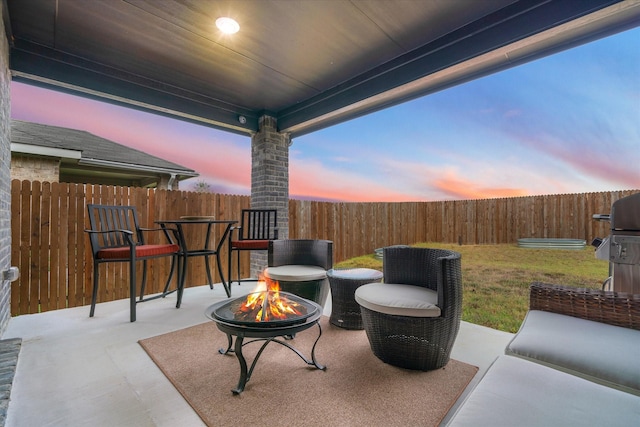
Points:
x=300 y=266
x=413 y=318
x=613 y=308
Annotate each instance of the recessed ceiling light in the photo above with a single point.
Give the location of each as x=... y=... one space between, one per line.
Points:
x=227 y=25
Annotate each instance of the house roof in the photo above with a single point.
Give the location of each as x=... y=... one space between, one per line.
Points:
x=309 y=64
x=88 y=151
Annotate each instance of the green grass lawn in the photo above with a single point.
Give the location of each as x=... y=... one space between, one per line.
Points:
x=496 y=278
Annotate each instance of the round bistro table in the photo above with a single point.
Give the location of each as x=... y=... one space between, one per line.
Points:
x=345 y=311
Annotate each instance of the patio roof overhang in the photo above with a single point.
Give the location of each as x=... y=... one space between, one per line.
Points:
x=309 y=64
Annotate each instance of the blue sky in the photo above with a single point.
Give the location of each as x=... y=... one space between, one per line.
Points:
x=567 y=123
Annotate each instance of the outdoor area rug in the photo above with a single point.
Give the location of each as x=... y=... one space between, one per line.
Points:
x=356 y=389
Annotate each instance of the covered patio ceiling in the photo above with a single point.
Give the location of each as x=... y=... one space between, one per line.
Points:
x=308 y=63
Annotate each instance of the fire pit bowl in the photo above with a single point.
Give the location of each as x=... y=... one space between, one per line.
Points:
x=290 y=309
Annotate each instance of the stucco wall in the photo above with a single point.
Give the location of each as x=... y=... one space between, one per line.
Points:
x=5 y=178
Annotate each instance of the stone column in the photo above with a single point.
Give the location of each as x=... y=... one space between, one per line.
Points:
x=269 y=180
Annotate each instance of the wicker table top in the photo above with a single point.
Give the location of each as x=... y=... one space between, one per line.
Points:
x=355 y=274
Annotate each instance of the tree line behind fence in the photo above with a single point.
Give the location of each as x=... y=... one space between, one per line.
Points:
x=52 y=250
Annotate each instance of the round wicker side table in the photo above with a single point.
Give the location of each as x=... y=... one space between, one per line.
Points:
x=345 y=311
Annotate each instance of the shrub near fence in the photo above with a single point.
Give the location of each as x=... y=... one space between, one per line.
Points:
x=51 y=249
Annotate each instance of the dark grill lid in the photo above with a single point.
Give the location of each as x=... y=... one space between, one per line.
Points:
x=625 y=213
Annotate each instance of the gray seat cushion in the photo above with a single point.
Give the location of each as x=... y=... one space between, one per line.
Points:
x=296 y=273
x=596 y=351
x=398 y=300
x=516 y=392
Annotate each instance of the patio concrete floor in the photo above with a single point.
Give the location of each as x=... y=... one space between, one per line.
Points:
x=77 y=371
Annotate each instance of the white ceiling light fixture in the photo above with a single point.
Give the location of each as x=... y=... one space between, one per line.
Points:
x=227 y=25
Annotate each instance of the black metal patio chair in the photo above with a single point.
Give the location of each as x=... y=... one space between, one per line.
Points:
x=116 y=236
x=257 y=228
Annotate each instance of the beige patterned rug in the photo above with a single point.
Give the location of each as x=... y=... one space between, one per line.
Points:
x=356 y=389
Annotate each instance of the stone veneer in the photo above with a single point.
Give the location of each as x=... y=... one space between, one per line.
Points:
x=269 y=180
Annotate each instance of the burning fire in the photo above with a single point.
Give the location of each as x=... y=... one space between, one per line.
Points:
x=266 y=303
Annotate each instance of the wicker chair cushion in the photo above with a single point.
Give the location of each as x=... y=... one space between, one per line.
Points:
x=596 y=351
x=296 y=273
x=398 y=300
x=141 y=251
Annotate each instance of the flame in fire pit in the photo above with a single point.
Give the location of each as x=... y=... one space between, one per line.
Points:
x=266 y=303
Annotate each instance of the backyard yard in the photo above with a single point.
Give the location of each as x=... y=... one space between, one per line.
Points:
x=496 y=278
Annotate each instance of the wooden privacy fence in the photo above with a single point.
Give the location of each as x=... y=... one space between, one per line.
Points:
x=52 y=250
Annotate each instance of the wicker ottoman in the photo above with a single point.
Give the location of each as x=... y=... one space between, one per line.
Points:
x=345 y=311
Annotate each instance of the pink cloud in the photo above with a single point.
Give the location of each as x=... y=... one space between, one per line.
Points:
x=312 y=178
x=467 y=190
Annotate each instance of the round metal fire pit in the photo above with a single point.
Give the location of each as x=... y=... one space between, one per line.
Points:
x=223 y=314
x=231 y=312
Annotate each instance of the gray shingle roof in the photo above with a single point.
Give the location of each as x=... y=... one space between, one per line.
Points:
x=92 y=146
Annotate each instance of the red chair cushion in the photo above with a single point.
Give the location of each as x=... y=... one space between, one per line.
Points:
x=141 y=251
x=250 y=244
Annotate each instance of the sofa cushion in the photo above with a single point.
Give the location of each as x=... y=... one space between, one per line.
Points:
x=398 y=300
x=599 y=352
x=516 y=392
x=296 y=273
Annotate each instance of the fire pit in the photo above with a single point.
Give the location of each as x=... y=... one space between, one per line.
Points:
x=265 y=316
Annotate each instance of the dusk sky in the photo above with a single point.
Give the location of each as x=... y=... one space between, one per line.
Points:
x=567 y=123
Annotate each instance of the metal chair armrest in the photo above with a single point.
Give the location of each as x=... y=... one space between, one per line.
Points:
x=126 y=232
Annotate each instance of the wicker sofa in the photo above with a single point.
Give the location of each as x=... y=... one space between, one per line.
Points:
x=574 y=361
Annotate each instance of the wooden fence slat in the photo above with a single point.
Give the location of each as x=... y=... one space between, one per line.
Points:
x=36 y=282
x=45 y=248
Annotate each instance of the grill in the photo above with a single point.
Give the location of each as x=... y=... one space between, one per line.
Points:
x=622 y=247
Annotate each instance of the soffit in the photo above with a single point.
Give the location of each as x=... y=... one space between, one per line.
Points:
x=310 y=64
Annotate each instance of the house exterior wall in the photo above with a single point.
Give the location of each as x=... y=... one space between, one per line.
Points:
x=5 y=178
x=165 y=180
x=35 y=168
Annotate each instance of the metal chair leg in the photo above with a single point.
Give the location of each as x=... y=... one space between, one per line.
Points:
x=181 y=277
x=94 y=295
x=144 y=279
x=238 y=270
x=171 y=272
x=132 y=290
x=208 y=269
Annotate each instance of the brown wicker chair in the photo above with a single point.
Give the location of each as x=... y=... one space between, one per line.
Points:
x=422 y=339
